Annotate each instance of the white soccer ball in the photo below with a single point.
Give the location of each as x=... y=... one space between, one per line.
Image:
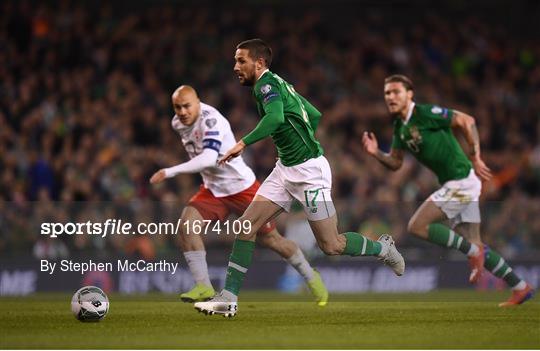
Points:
x=89 y=304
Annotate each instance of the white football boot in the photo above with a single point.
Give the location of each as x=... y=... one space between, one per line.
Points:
x=223 y=303
x=390 y=255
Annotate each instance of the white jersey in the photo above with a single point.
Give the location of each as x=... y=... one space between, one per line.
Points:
x=212 y=130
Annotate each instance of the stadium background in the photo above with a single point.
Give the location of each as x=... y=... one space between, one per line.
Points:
x=85 y=115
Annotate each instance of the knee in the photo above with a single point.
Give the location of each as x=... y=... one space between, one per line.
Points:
x=250 y=228
x=417 y=228
x=187 y=240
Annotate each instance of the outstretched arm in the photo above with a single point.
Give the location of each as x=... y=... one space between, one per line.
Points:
x=272 y=119
x=392 y=160
x=467 y=125
x=198 y=163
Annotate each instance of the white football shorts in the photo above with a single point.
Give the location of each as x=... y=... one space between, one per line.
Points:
x=458 y=199
x=310 y=183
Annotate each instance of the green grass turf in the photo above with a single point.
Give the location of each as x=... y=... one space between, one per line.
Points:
x=444 y=319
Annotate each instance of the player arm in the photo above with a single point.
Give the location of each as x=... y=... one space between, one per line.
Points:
x=272 y=119
x=467 y=125
x=206 y=159
x=392 y=160
x=313 y=114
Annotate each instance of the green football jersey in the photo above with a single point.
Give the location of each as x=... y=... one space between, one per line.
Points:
x=294 y=135
x=428 y=136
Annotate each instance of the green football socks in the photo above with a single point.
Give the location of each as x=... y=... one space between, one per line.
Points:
x=242 y=253
x=359 y=245
x=443 y=236
x=239 y=262
x=498 y=266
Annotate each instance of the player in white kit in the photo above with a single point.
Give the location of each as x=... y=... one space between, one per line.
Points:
x=207 y=135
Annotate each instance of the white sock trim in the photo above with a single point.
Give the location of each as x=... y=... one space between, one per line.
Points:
x=229 y=295
x=364 y=246
x=498 y=266
x=451 y=238
x=238 y=267
x=520 y=286
x=473 y=251
x=508 y=270
x=459 y=241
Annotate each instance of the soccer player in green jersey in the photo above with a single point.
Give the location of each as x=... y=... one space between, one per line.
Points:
x=426 y=132
x=302 y=173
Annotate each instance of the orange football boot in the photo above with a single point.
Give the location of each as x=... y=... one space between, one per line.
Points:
x=518 y=297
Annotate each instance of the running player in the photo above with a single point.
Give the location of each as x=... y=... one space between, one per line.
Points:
x=205 y=133
x=426 y=132
x=302 y=173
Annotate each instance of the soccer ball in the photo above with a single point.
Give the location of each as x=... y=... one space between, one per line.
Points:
x=89 y=304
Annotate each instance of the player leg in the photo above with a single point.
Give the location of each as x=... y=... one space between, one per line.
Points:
x=311 y=184
x=270 y=201
x=195 y=254
x=496 y=264
x=274 y=241
x=260 y=211
x=270 y=237
x=355 y=244
x=425 y=223
x=202 y=206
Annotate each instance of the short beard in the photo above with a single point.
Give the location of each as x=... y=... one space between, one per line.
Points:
x=249 y=82
x=394 y=114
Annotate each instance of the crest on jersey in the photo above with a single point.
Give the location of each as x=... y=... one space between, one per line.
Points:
x=436 y=110
x=265 y=89
x=210 y=122
x=416 y=139
x=197 y=135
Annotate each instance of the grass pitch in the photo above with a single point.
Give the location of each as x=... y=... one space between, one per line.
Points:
x=444 y=319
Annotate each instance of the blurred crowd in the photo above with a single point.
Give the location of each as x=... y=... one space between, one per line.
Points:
x=85 y=108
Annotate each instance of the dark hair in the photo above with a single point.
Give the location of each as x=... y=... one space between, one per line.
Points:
x=257 y=49
x=400 y=78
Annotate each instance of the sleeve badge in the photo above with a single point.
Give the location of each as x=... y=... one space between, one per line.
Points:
x=436 y=110
x=265 y=89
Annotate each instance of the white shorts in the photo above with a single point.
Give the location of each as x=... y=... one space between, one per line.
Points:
x=458 y=199
x=310 y=183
